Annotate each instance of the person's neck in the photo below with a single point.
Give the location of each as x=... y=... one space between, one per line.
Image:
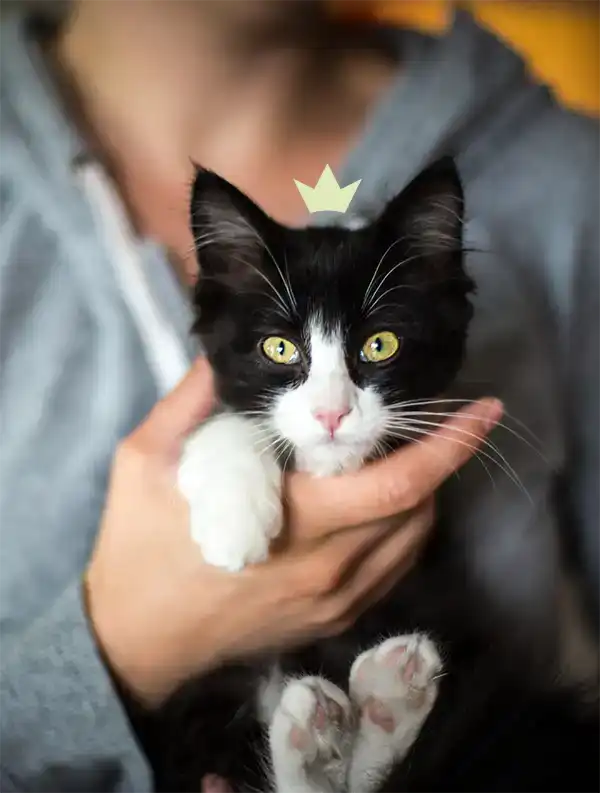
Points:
x=256 y=108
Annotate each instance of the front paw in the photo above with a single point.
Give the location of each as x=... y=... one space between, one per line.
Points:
x=233 y=491
x=235 y=529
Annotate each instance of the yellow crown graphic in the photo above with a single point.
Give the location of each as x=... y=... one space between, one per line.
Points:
x=327 y=195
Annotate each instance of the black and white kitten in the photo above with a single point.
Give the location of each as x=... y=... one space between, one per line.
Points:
x=322 y=340
x=318 y=338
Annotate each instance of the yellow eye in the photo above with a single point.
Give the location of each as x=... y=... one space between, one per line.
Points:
x=280 y=350
x=380 y=347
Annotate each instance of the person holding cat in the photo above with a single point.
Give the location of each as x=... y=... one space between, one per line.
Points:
x=96 y=349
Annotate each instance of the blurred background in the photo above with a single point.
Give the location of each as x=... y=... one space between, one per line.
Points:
x=560 y=39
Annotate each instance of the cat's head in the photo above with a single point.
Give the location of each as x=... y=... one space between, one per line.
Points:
x=321 y=333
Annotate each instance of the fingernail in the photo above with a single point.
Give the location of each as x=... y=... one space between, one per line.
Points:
x=491 y=413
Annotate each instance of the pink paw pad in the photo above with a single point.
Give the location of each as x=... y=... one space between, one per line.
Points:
x=394 y=678
x=327 y=713
x=377 y=713
x=299 y=738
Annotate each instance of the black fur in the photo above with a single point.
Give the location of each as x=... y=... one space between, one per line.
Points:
x=329 y=271
x=489 y=730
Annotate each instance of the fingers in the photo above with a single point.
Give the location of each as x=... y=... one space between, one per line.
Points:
x=315 y=573
x=412 y=526
x=180 y=412
x=365 y=554
x=394 y=555
x=378 y=572
x=393 y=485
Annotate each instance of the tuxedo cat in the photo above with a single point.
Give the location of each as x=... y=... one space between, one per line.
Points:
x=328 y=347
x=331 y=347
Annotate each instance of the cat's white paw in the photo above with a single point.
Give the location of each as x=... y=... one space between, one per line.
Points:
x=393 y=687
x=311 y=734
x=395 y=684
x=233 y=490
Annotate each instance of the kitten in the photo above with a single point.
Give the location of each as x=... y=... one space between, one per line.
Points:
x=320 y=339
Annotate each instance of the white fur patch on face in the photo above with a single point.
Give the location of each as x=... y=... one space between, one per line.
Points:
x=332 y=424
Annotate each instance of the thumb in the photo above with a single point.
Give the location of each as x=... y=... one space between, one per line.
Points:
x=180 y=412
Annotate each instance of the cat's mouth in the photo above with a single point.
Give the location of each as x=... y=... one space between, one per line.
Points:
x=331 y=440
x=335 y=442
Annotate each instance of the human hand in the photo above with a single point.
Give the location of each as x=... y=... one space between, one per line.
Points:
x=161 y=615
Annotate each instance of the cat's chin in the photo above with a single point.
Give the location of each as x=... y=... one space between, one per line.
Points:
x=331 y=459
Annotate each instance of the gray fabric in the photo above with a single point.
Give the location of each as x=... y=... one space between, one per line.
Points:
x=74 y=378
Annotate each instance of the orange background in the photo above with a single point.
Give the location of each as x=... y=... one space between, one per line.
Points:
x=560 y=40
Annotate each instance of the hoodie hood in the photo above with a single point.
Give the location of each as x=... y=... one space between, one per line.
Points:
x=436 y=106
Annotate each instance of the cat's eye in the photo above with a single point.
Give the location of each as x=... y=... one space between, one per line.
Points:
x=280 y=350
x=380 y=347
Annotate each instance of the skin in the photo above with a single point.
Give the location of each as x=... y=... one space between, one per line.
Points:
x=248 y=105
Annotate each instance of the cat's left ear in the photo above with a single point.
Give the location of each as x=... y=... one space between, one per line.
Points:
x=230 y=230
x=427 y=218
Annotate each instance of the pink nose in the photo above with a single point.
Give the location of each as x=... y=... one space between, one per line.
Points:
x=331 y=419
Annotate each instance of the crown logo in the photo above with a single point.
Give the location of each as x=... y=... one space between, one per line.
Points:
x=327 y=195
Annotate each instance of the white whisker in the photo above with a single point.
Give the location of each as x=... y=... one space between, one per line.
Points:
x=400 y=406
x=476 y=455
x=284 y=281
x=220 y=232
x=288 y=457
x=504 y=426
x=371 y=307
x=394 y=432
x=401 y=263
x=505 y=467
x=280 y=301
x=379 y=263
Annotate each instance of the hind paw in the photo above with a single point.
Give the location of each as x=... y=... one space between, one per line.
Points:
x=311 y=732
x=396 y=681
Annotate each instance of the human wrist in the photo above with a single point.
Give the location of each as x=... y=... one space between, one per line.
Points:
x=139 y=681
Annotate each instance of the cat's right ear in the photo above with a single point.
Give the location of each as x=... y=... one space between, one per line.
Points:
x=230 y=230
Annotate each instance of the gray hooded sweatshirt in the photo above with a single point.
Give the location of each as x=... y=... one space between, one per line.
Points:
x=94 y=328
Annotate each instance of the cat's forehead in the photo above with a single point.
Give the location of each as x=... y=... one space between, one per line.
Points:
x=327 y=252
x=325 y=268
x=328 y=281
